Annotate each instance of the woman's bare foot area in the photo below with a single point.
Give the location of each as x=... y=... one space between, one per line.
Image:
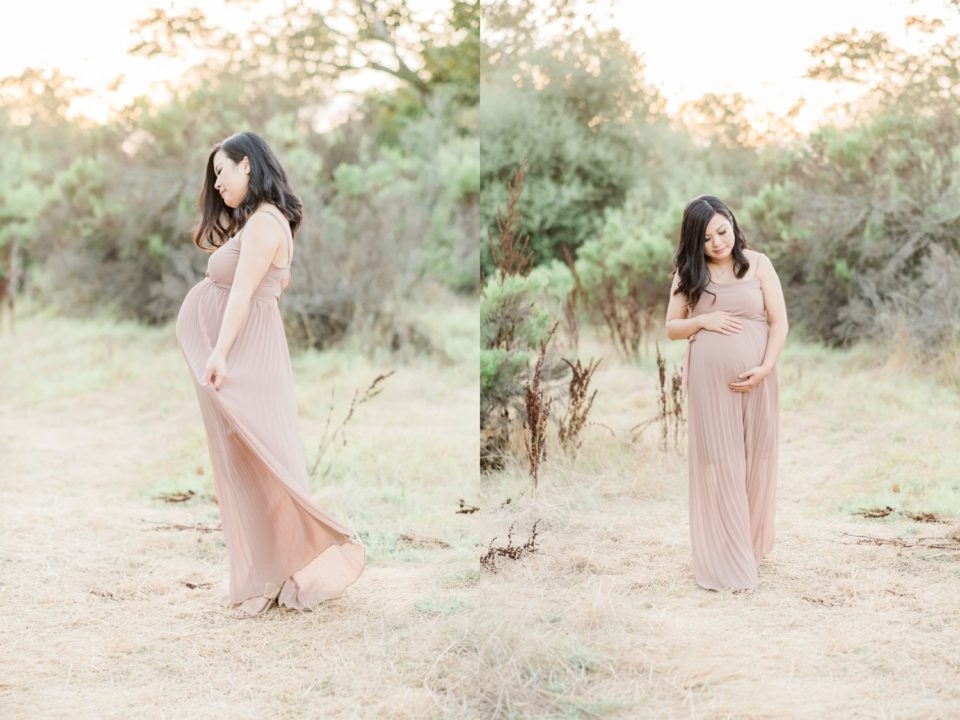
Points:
x=251 y=607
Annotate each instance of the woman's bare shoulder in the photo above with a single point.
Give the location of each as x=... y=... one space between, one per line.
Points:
x=764 y=268
x=753 y=256
x=267 y=205
x=270 y=210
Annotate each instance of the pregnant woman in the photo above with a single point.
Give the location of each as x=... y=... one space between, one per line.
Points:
x=282 y=548
x=726 y=301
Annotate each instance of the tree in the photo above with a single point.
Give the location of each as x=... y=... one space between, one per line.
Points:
x=577 y=110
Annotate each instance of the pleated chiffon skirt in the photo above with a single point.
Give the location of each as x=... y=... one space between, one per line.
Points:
x=275 y=534
x=732 y=443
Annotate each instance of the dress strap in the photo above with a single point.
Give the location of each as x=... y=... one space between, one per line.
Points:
x=286 y=227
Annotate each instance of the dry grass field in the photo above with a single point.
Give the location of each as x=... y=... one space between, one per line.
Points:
x=109 y=603
x=605 y=620
x=110 y=596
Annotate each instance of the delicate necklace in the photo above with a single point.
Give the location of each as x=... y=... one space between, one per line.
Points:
x=719 y=275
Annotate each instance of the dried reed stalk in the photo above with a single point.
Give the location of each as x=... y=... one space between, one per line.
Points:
x=327 y=438
x=669 y=405
x=537 y=412
x=580 y=400
x=623 y=318
x=509 y=253
x=573 y=299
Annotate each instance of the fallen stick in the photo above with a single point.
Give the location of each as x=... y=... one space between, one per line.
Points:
x=178 y=526
x=901 y=542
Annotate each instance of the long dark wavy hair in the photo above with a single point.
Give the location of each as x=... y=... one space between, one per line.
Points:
x=690 y=261
x=268 y=183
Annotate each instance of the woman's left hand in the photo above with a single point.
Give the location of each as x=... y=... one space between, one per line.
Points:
x=215 y=371
x=754 y=376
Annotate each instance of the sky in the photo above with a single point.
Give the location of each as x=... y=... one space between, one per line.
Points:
x=691 y=47
x=54 y=33
x=757 y=48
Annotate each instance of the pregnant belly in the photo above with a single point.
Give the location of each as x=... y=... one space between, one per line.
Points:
x=188 y=320
x=725 y=356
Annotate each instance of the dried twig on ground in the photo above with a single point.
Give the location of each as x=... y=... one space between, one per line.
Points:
x=466 y=509
x=178 y=526
x=874 y=513
x=183 y=496
x=820 y=601
x=923 y=517
x=172 y=497
x=423 y=542
x=514 y=552
x=922 y=542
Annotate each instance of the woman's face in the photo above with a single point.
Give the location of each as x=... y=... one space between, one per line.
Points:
x=232 y=178
x=718 y=242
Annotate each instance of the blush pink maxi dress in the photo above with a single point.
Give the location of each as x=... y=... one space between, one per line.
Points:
x=275 y=535
x=732 y=441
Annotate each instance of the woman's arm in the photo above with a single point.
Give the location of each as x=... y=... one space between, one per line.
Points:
x=776 y=310
x=682 y=328
x=679 y=326
x=262 y=237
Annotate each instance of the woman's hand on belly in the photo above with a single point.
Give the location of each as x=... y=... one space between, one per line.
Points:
x=752 y=378
x=722 y=322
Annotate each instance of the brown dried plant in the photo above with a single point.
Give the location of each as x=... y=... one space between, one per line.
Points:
x=580 y=400
x=677 y=402
x=489 y=559
x=573 y=300
x=670 y=404
x=629 y=315
x=510 y=256
x=537 y=405
x=622 y=316
x=509 y=253
x=327 y=438
x=8 y=276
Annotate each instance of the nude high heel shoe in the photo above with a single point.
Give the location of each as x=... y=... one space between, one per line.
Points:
x=271 y=600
